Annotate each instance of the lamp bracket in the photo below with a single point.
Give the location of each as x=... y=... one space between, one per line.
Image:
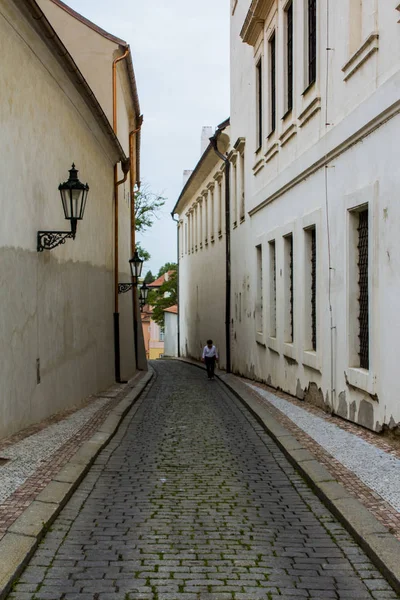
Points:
x=47 y=240
x=124 y=287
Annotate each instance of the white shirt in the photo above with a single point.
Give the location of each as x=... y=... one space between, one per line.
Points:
x=210 y=352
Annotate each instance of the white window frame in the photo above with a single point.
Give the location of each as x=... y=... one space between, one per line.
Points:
x=357 y=377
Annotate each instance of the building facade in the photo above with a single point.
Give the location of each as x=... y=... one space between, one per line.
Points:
x=202 y=252
x=315 y=114
x=56 y=332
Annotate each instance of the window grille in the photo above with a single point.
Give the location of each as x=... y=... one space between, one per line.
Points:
x=259 y=104
x=272 y=46
x=289 y=50
x=314 y=289
x=363 y=299
x=291 y=289
x=312 y=41
x=273 y=288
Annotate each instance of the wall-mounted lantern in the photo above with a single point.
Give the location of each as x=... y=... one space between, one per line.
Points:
x=143 y=294
x=73 y=196
x=136 y=265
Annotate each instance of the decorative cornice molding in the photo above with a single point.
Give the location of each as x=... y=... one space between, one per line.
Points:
x=367 y=48
x=218 y=176
x=341 y=148
x=313 y=107
x=272 y=151
x=255 y=19
x=211 y=185
x=240 y=144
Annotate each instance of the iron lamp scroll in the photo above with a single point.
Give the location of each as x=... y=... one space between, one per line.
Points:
x=124 y=287
x=73 y=197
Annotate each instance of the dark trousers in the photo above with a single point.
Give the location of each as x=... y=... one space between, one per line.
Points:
x=210 y=364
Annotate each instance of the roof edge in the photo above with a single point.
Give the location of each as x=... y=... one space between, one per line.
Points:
x=85 y=21
x=203 y=157
x=48 y=34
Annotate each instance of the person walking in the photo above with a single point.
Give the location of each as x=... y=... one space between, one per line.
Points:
x=210 y=356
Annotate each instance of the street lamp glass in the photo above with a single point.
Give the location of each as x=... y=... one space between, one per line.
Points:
x=73 y=196
x=136 y=264
x=144 y=292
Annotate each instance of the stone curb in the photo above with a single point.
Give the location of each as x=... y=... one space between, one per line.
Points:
x=22 y=538
x=380 y=546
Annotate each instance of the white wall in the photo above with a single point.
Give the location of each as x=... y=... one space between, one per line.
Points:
x=171 y=334
x=57 y=307
x=340 y=156
x=202 y=262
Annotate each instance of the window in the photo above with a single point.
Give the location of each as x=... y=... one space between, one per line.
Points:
x=234 y=191
x=355 y=24
x=259 y=304
x=259 y=104
x=289 y=57
x=212 y=209
x=201 y=222
x=186 y=238
x=289 y=289
x=205 y=196
x=310 y=317
x=363 y=284
x=162 y=334
x=241 y=186
x=312 y=41
x=220 y=200
x=272 y=289
x=272 y=66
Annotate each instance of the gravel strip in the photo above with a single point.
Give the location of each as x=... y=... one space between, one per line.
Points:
x=377 y=469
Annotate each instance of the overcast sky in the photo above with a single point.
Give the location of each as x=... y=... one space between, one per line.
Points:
x=180 y=54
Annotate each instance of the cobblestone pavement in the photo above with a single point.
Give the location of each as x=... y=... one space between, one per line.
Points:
x=34 y=455
x=193 y=501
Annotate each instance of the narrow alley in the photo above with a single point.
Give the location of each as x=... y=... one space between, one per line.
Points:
x=193 y=500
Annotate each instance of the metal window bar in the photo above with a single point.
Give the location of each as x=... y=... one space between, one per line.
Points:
x=289 y=50
x=314 y=289
x=272 y=45
x=312 y=41
x=291 y=269
x=273 y=315
x=363 y=299
x=259 y=104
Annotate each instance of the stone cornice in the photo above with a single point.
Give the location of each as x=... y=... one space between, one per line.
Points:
x=255 y=19
x=218 y=176
x=211 y=185
x=240 y=144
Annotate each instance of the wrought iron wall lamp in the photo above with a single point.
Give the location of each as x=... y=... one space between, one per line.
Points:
x=73 y=196
x=136 y=265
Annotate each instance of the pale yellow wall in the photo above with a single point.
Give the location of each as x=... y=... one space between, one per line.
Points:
x=91 y=52
x=56 y=306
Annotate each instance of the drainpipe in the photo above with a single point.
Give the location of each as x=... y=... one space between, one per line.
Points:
x=116 y=261
x=214 y=144
x=133 y=235
x=177 y=284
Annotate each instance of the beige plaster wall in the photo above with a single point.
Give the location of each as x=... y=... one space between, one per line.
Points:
x=56 y=307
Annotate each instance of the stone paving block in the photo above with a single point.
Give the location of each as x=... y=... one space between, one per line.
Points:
x=34 y=518
x=70 y=473
x=193 y=500
x=14 y=550
x=55 y=492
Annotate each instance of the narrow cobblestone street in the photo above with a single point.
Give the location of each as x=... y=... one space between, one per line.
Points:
x=192 y=501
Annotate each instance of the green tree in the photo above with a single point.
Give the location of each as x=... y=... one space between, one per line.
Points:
x=169 y=266
x=143 y=254
x=147 y=208
x=164 y=297
x=149 y=277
